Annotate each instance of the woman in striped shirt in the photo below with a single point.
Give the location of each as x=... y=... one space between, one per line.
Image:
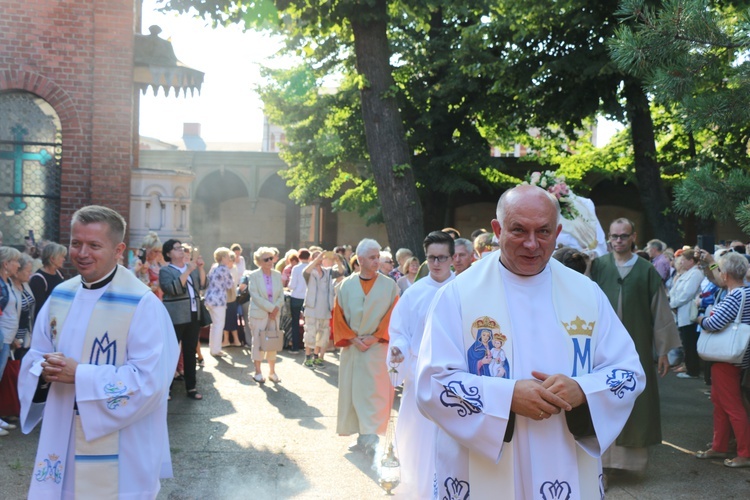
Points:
x=726 y=393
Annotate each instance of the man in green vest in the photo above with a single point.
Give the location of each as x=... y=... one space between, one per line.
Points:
x=636 y=292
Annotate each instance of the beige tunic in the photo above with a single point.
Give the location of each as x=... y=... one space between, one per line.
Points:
x=364 y=308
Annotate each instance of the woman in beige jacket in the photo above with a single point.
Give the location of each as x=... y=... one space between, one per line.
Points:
x=266 y=301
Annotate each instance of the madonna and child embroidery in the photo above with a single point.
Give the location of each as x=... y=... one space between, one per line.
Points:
x=486 y=355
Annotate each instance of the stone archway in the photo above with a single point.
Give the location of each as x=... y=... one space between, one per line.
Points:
x=218 y=195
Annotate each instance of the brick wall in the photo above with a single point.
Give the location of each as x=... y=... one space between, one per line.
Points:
x=78 y=56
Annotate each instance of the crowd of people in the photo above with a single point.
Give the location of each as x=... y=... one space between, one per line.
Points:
x=474 y=374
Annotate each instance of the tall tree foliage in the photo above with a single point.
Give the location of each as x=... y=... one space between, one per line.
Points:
x=307 y=23
x=694 y=54
x=552 y=69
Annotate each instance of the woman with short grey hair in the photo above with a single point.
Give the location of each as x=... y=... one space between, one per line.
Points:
x=726 y=391
x=26 y=318
x=49 y=276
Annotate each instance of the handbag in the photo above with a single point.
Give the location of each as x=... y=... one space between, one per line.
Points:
x=271 y=339
x=728 y=345
x=9 y=402
x=243 y=297
x=205 y=316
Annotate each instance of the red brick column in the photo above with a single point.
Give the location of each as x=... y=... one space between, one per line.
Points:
x=78 y=56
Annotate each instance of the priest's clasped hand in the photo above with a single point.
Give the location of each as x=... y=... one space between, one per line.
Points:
x=564 y=387
x=546 y=396
x=58 y=368
x=532 y=400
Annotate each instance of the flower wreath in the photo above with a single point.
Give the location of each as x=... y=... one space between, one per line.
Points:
x=555 y=184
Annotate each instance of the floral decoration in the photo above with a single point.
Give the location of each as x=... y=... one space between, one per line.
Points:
x=555 y=185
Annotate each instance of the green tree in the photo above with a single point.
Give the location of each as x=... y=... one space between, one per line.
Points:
x=693 y=55
x=552 y=70
x=365 y=22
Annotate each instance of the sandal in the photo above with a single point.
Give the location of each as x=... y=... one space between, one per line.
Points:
x=193 y=394
x=201 y=363
x=737 y=462
x=274 y=378
x=710 y=453
x=259 y=378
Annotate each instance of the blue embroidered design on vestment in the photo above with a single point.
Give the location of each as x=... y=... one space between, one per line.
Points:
x=103 y=352
x=620 y=381
x=601 y=486
x=468 y=400
x=120 y=298
x=50 y=469
x=558 y=490
x=116 y=393
x=455 y=489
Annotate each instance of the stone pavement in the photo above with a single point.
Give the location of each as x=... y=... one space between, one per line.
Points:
x=279 y=441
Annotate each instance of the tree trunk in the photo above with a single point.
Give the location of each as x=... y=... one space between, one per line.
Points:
x=384 y=131
x=654 y=199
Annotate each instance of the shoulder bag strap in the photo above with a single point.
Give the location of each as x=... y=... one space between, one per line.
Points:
x=738 y=319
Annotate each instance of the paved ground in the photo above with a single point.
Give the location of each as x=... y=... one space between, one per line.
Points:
x=279 y=441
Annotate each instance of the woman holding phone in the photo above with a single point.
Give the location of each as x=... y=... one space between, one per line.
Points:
x=181 y=281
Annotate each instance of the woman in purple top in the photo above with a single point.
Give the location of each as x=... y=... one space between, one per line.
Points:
x=219 y=281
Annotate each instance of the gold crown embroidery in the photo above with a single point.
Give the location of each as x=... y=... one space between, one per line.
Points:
x=485 y=322
x=579 y=327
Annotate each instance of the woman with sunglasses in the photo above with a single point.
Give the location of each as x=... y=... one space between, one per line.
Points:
x=266 y=301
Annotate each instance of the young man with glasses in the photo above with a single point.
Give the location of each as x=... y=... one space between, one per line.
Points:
x=636 y=292
x=415 y=435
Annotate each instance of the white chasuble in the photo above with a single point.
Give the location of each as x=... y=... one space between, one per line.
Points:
x=490 y=328
x=415 y=435
x=120 y=392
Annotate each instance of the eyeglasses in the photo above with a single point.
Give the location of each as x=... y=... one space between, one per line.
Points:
x=267 y=259
x=438 y=258
x=623 y=236
x=178 y=249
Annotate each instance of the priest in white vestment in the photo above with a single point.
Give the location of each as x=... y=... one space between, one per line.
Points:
x=415 y=435
x=572 y=372
x=98 y=372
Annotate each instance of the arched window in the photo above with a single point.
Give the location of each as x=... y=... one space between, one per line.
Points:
x=30 y=154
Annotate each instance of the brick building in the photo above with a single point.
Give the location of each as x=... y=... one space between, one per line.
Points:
x=69 y=96
x=77 y=58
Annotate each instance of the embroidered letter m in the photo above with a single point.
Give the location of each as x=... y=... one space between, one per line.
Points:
x=581 y=359
x=103 y=351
